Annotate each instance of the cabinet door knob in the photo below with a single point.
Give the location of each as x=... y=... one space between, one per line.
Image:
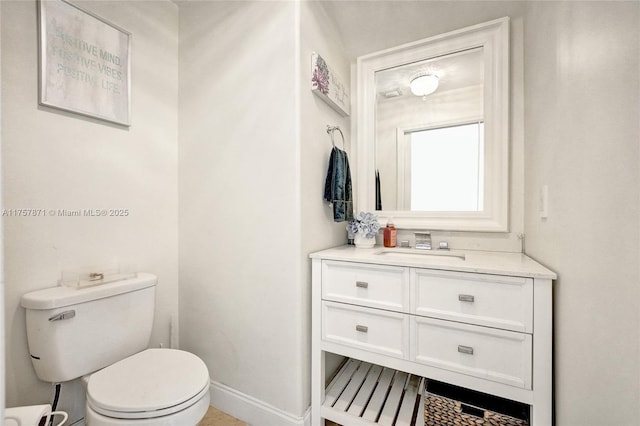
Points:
x=362 y=328
x=362 y=284
x=466 y=298
x=465 y=349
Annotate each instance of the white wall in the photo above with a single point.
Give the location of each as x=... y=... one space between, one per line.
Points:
x=240 y=225
x=582 y=136
x=318 y=33
x=253 y=159
x=2 y=308
x=57 y=160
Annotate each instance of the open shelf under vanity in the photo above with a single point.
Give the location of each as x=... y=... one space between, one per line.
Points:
x=362 y=393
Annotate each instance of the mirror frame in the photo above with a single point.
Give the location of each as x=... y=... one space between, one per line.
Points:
x=493 y=36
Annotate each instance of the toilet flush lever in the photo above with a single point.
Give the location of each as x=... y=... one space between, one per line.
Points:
x=63 y=315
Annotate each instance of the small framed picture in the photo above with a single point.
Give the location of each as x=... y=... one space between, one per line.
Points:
x=329 y=86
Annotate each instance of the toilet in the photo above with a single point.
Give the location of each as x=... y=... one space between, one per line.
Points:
x=100 y=334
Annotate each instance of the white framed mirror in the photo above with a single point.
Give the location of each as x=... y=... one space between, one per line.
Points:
x=436 y=157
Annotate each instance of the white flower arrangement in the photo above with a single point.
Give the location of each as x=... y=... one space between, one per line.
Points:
x=364 y=223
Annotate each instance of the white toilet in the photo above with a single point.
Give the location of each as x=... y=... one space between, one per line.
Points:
x=100 y=333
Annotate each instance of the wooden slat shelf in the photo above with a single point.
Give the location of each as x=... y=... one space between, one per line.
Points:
x=362 y=394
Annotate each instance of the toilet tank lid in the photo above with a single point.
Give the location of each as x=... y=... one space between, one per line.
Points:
x=57 y=297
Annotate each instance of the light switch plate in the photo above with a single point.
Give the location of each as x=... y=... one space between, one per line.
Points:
x=544 y=202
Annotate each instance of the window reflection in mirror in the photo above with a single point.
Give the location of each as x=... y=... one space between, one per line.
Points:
x=458 y=152
x=429 y=148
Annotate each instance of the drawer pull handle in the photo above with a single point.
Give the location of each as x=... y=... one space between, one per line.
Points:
x=465 y=350
x=466 y=298
x=362 y=284
x=362 y=328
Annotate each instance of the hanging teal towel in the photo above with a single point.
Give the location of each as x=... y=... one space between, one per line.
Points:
x=337 y=186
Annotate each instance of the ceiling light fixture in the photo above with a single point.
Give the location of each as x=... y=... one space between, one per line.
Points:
x=423 y=84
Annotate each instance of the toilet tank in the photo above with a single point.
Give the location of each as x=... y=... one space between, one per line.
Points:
x=76 y=331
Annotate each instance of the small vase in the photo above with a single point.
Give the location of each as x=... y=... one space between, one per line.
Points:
x=363 y=242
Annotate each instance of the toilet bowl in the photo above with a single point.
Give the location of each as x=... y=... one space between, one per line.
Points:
x=152 y=387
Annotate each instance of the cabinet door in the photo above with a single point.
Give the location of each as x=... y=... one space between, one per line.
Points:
x=373 y=330
x=496 y=355
x=375 y=286
x=490 y=300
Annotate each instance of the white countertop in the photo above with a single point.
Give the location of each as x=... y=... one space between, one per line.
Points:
x=483 y=262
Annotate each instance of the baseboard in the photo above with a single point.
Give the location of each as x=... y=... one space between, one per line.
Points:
x=252 y=410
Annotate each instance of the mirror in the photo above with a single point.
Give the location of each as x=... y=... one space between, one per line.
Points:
x=446 y=126
x=436 y=156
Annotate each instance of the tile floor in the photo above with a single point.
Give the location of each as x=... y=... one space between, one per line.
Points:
x=215 y=417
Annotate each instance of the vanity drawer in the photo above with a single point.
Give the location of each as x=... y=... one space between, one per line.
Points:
x=374 y=330
x=491 y=354
x=376 y=286
x=490 y=300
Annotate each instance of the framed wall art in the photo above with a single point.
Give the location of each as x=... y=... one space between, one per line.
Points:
x=328 y=86
x=84 y=63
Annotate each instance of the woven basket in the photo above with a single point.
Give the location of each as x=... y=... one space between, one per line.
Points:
x=441 y=411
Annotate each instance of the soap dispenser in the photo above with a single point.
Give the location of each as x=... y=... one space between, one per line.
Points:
x=390 y=234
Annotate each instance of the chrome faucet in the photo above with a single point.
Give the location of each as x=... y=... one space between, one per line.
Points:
x=423 y=240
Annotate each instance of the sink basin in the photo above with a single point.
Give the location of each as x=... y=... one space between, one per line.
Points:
x=400 y=253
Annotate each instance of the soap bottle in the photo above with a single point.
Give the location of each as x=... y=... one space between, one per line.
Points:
x=390 y=234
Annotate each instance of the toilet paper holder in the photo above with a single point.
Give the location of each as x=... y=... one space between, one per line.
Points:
x=30 y=415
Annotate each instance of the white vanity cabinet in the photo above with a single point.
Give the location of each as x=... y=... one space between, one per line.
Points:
x=479 y=320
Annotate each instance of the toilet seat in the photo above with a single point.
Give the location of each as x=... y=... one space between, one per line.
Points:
x=149 y=384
